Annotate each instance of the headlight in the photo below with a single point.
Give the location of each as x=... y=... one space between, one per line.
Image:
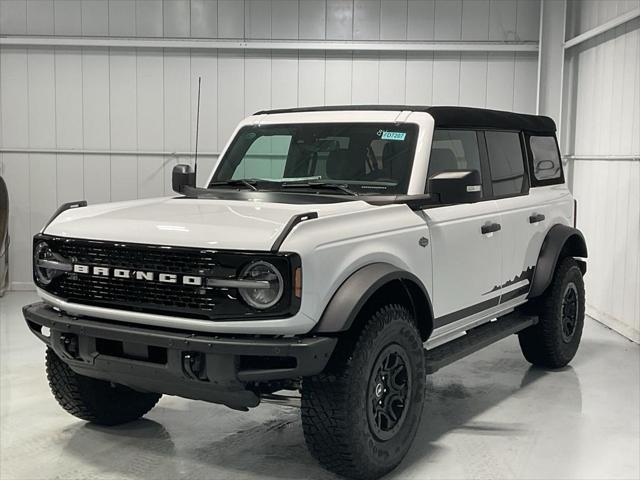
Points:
x=47 y=264
x=269 y=292
x=41 y=254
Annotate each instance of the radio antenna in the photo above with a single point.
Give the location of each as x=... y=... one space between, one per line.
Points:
x=195 y=167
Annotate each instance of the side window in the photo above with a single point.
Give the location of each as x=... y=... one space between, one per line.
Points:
x=506 y=162
x=454 y=150
x=546 y=164
x=265 y=158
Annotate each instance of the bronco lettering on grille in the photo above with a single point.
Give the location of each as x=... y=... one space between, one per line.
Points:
x=137 y=275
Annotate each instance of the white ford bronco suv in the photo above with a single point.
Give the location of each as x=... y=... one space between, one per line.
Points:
x=337 y=253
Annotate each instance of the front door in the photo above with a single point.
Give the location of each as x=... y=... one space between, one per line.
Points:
x=466 y=261
x=466 y=240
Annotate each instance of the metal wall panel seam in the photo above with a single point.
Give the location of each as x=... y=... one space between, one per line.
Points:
x=338 y=45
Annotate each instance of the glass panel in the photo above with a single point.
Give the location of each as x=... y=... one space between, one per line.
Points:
x=264 y=158
x=454 y=150
x=372 y=158
x=546 y=160
x=506 y=161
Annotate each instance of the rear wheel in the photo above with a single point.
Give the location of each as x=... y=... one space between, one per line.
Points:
x=554 y=340
x=360 y=420
x=95 y=400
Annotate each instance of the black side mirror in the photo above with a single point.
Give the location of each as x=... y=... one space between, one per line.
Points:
x=456 y=186
x=181 y=177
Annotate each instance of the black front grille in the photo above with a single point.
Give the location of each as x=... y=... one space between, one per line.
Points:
x=135 y=256
x=163 y=298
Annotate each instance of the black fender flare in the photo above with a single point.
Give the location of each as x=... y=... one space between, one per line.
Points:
x=63 y=208
x=343 y=308
x=560 y=240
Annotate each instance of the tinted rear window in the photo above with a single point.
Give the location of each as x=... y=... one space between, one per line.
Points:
x=546 y=159
x=506 y=162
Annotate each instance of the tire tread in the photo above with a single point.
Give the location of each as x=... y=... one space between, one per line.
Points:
x=540 y=343
x=327 y=427
x=93 y=400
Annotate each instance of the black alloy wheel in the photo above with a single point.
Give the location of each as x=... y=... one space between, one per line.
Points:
x=569 y=312
x=389 y=390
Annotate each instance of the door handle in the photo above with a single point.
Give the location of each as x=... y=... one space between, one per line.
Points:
x=536 y=217
x=490 y=228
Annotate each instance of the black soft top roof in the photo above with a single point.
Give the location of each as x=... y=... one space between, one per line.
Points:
x=450 y=117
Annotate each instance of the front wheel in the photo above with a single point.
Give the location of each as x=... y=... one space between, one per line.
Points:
x=554 y=340
x=95 y=400
x=360 y=420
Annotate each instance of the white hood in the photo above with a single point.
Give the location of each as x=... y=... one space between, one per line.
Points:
x=201 y=223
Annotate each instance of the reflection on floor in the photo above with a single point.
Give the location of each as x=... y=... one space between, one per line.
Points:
x=488 y=416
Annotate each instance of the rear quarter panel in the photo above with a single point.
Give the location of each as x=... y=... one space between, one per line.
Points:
x=554 y=202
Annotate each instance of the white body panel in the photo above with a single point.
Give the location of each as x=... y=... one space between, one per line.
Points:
x=522 y=239
x=185 y=222
x=471 y=269
x=459 y=248
x=334 y=248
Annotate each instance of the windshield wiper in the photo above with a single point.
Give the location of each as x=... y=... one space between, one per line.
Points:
x=320 y=185
x=252 y=183
x=243 y=182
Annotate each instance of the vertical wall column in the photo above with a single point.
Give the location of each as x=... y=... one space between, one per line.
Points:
x=551 y=59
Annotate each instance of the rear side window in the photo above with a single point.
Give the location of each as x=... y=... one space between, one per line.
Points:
x=545 y=158
x=506 y=162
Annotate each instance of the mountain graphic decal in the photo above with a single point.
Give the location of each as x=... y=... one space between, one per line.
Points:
x=524 y=275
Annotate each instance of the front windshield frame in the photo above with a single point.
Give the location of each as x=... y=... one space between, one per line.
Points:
x=222 y=175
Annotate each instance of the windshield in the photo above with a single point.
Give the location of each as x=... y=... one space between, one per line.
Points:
x=364 y=158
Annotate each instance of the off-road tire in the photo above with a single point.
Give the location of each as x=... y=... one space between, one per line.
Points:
x=544 y=344
x=337 y=427
x=95 y=400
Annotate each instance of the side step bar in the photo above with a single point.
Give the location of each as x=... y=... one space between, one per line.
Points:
x=476 y=339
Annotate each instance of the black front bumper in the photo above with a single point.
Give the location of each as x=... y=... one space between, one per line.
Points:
x=217 y=369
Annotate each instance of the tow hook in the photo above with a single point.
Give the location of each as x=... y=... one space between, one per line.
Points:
x=70 y=345
x=194 y=365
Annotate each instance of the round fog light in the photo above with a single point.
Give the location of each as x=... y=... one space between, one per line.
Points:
x=270 y=292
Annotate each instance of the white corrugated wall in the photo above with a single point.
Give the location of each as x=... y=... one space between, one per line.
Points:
x=143 y=100
x=602 y=103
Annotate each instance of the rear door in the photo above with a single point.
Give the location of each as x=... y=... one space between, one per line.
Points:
x=466 y=261
x=524 y=215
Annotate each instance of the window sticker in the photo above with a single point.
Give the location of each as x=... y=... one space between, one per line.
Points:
x=387 y=135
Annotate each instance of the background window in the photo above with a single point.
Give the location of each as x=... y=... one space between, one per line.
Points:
x=454 y=150
x=506 y=162
x=546 y=160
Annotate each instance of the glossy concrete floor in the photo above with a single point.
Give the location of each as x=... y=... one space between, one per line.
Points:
x=490 y=416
